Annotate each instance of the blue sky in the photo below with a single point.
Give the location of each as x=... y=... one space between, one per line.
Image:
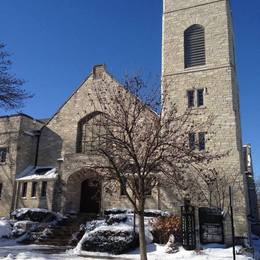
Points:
x=55 y=43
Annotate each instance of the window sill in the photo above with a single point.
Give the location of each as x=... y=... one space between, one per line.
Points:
x=197 y=108
x=24 y=198
x=196 y=68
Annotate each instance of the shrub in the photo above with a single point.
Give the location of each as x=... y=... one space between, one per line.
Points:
x=163 y=227
x=111 y=239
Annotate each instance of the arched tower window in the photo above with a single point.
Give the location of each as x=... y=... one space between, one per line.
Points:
x=90 y=132
x=194 y=46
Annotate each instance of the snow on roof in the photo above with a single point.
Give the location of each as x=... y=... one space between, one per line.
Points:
x=37 y=173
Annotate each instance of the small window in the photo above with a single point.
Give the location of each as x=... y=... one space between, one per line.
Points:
x=24 y=189
x=34 y=189
x=1 y=189
x=44 y=189
x=192 y=141
x=3 y=152
x=200 y=97
x=202 y=145
x=190 y=94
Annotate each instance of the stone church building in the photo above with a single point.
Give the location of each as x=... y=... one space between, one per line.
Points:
x=42 y=164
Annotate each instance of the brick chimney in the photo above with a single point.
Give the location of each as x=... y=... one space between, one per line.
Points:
x=98 y=71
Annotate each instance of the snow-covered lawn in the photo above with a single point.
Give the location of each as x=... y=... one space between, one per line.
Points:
x=155 y=252
x=11 y=250
x=5 y=228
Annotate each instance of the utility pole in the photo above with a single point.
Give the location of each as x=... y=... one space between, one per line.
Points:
x=232 y=222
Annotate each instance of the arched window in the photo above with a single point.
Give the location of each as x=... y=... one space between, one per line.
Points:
x=194 y=46
x=90 y=132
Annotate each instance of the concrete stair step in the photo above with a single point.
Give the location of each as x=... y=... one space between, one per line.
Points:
x=61 y=235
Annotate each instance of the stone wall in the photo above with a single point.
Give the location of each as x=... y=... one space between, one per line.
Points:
x=16 y=134
x=38 y=201
x=9 y=133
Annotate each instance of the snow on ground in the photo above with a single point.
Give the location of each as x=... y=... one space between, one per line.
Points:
x=256 y=246
x=10 y=250
x=155 y=252
x=5 y=228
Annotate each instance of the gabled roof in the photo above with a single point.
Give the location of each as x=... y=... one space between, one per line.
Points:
x=96 y=69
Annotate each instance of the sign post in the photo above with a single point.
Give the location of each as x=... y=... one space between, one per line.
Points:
x=232 y=222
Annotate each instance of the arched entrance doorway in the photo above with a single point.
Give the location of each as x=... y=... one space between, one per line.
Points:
x=83 y=192
x=90 y=196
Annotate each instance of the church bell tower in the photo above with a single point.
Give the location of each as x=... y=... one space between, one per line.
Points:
x=198 y=72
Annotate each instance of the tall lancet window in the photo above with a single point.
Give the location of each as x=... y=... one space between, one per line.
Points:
x=91 y=132
x=194 y=46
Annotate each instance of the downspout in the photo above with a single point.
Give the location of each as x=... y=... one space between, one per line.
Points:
x=38 y=135
x=16 y=202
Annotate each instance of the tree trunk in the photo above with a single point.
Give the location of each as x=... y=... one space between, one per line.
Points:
x=143 y=254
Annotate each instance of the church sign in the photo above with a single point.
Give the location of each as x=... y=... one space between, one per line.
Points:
x=211 y=226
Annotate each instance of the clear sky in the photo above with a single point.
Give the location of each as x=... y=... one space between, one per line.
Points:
x=55 y=43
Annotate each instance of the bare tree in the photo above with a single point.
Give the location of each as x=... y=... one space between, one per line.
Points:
x=12 y=95
x=140 y=148
x=213 y=186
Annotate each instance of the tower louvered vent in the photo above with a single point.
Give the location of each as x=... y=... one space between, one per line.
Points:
x=194 y=46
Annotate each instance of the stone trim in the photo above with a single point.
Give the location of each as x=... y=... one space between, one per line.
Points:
x=199 y=70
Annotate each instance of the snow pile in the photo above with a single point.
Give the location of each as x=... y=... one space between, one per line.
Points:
x=5 y=228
